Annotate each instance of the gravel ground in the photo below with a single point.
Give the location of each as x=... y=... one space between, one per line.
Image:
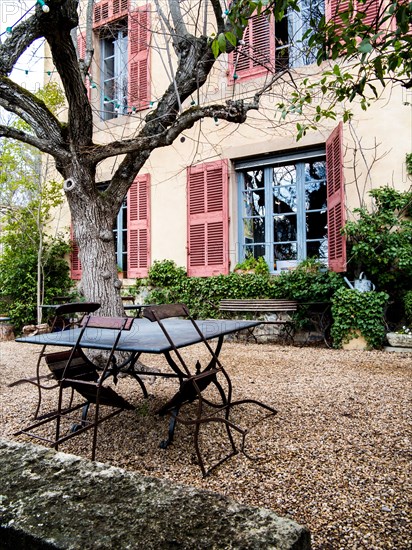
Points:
x=336 y=457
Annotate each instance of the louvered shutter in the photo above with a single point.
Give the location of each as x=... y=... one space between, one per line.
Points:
x=371 y=10
x=139 y=66
x=370 y=7
x=333 y=8
x=109 y=10
x=75 y=265
x=257 y=55
x=208 y=222
x=138 y=227
x=335 y=195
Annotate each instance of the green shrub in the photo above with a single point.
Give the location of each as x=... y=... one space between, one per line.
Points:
x=408 y=307
x=380 y=242
x=165 y=274
x=308 y=283
x=364 y=311
x=18 y=276
x=258 y=266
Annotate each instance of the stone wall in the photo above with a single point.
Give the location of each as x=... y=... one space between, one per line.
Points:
x=52 y=500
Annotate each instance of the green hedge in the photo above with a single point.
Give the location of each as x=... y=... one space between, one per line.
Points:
x=308 y=283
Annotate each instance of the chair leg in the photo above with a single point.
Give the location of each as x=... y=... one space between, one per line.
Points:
x=96 y=423
x=172 y=425
x=58 y=419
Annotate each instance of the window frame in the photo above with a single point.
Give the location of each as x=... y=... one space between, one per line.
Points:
x=137 y=22
x=266 y=163
x=120 y=74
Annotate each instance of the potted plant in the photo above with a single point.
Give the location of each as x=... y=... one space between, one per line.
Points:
x=253 y=265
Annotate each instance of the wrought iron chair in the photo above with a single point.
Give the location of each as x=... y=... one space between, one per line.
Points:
x=78 y=374
x=66 y=317
x=195 y=387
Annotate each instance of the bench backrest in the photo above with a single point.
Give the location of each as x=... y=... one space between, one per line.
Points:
x=258 y=305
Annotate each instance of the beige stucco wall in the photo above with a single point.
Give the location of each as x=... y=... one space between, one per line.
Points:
x=376 y=142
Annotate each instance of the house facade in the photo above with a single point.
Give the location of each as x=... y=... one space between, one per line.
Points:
x=222 y=192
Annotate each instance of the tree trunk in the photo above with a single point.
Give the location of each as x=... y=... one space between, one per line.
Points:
x=93 y=232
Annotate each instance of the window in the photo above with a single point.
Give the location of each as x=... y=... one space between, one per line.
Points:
x=291 y=42
x=124 y=39
x=268 y=46
x=284 y=209
x=114 y=57
x=120 y=237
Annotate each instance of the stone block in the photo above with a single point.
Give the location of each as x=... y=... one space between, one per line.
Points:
x=53 y=500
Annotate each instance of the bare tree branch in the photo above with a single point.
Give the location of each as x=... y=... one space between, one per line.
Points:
x=217 y=9
x=42 y=144
x=177 y=18
x=22 y=37
x=32 y=110
x=56 y=27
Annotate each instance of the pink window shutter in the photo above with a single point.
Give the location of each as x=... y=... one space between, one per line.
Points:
x=336 y=205
x=106 y=11
x=333 y=8
x=208 y=221
x=256 y=56
x=371 y=8
x=75 y=264
x=139 y=59
x=138 y=227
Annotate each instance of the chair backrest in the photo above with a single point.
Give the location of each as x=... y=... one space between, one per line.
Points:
x=71 y=314
x=77 y=307
x=165 y=311
x=116 y=324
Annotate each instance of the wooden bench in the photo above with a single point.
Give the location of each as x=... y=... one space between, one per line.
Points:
x=260 y=306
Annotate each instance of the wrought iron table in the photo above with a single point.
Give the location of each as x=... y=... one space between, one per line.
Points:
x=146 y=337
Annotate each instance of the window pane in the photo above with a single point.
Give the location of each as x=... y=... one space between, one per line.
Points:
x=284 y=189
x=108 y=68
x=284 y=228
x=316 y=225
x=285 y=251
x=108 y=47
x=284 y=200
x=316 y=196
x=254 y=193
x=284 y=175
x=317 y=249
x=254 y=230
x=256 y=251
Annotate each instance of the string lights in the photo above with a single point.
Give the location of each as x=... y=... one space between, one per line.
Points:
x=43 y=5
x=127 y=109
x=9 y=30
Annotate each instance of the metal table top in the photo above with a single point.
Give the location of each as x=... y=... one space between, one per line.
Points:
x=145 y=336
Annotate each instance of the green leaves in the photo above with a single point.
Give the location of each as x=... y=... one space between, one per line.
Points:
x=364 y=311
x=380 y=240
x=365 y=46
